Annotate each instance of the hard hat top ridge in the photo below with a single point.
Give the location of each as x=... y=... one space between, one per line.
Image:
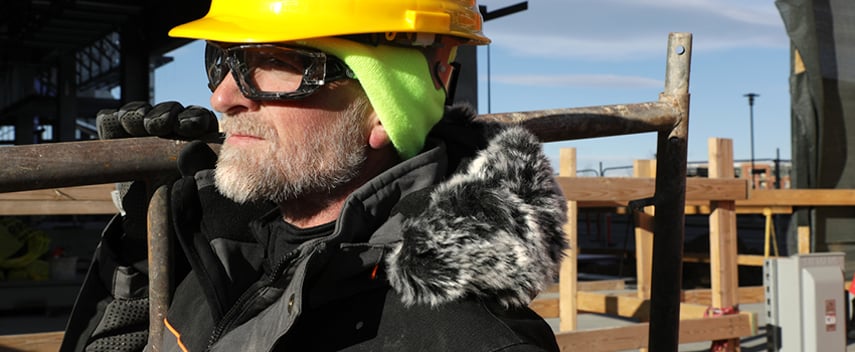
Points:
x=256 y=21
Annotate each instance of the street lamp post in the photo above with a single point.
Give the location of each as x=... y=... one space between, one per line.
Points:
x=751 y=97
x=491 y=15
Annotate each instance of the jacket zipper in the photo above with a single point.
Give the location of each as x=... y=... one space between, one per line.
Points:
x=247 y=297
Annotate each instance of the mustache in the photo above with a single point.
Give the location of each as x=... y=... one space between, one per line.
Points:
x=245 y=125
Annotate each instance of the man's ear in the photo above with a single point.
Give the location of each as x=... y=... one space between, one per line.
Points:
x=377 y=137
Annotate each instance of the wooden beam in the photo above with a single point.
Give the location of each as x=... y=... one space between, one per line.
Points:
x=601 y=285
x=78 y=207
x=799 y=197
x=621 y=305
x=38 y=342
x=692 y=208
x=780 y=201
x=747 y=294
x=630 y=188
x=635 y=336
x=644 y=234
x=598 y=285
x=741 y=259
x=94 y=199
x=92 y=192
x=804 y=239
x=546 y=308
x=703 y=209
x=568 y=272
x=724 y=275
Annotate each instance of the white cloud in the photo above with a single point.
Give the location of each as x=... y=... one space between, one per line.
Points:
x=602 y=81
x=561 y=47
x=622 y=30
x=755 y=13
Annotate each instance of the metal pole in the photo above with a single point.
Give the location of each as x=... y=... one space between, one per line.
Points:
x=777 y=168
x=491 y=15
x=40 y=166
x=159 y=265
x=489 y=84
x=588 y=122
x=751 y=97
x=29 y=167
x=670 y=200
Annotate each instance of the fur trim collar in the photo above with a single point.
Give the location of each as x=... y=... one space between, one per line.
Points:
x=492 y=231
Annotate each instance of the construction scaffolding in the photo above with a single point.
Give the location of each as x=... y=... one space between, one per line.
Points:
x=95 y=162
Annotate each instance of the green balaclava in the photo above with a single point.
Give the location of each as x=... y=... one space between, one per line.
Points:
x=398 y=84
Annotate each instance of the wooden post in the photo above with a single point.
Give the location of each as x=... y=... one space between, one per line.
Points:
x=643 y=233
x=804 y=239
x=567 y=285
x=723 y=249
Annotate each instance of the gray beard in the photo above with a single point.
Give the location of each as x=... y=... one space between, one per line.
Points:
x=282 y=173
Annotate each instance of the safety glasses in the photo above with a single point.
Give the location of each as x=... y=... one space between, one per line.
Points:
x=273 y=71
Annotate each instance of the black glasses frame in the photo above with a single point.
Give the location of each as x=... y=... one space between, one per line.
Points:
x=322 y=69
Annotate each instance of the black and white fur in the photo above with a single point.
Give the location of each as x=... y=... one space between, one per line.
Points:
x=493 y=231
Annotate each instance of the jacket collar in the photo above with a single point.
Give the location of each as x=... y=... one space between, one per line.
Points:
x=492 y=230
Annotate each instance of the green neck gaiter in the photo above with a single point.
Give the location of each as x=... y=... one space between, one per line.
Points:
x=398 y=84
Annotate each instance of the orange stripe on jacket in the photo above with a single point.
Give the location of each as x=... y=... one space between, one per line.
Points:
x=176 y=334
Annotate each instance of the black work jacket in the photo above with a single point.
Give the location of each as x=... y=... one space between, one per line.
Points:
x=442 y=252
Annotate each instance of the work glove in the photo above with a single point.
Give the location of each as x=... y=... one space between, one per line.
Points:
x=140 y=119
x=168 y=120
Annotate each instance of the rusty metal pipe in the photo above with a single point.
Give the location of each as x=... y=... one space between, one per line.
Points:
x=595 y=121
x=29 y=167
x=670 y=199
x=159 y=265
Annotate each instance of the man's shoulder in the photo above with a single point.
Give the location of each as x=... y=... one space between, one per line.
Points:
x=468 y=324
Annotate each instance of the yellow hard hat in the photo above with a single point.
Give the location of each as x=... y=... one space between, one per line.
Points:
x=262 y=21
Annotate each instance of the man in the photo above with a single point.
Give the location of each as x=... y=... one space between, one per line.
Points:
x=348 y=210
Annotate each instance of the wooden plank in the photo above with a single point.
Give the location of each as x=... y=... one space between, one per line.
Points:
x=692 y=311
x=703 y=209
x=644 y=234
x=568 y=271
x=67 y=207
x=747 y=294
x=91 y=192
x=780 y=201
x=750 y=209
x=804 y=239
x=692 y=208
x=601 y=285
x=621 y=305
x=630 y=188
x=598 y=285
x=799 y=197
x=635 y=336
x=724 y=276
x=741 y=259
x=545 y=308
x=93 y=199
x=38 y=342
x=618 y=305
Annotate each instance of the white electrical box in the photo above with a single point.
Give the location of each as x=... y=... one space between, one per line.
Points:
x=805 y=304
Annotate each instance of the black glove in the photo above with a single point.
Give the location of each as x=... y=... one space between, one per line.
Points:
x=168 y=120
x=139 y=119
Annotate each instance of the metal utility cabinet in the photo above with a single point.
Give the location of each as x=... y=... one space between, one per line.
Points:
x=805 y=306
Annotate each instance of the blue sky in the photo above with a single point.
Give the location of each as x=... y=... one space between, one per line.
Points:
x=573 y=53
